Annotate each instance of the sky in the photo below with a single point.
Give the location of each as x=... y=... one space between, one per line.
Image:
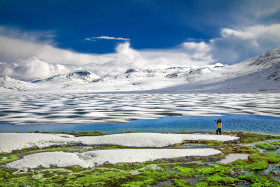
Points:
x=39 y=39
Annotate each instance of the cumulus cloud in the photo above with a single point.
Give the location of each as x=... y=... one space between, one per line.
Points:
x=30 y=59
x=107 y=38
x=270 y=33
x=236 y=45
x=34 y=68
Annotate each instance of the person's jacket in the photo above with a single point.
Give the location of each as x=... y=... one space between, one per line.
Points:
x=219 y=125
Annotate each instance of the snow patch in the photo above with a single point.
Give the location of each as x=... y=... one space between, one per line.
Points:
x=16 y=141
x=96 y=158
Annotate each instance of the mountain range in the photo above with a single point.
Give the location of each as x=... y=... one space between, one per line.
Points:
x=258 y=74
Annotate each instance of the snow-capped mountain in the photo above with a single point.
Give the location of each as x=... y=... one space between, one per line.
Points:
x=258 y=74
x=8 y=83
x=84 y=76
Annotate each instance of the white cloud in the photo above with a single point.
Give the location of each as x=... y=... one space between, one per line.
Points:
x=34 y=68
x=24 y=59
x=271 y=33
x=236 y=45
x=107 y=38
x=28 y=59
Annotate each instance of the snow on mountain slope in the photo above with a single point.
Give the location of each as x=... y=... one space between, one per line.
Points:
x=78 y=76
x=258 y=74
x=76 y=80
x=7 y=84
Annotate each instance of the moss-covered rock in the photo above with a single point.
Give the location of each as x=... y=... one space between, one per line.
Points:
x=269 y=146
x=257 y=180
x=218 y=179
x=259 y=165
x=268 y=157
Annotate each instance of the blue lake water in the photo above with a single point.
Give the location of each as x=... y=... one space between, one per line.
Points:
x=231 y=122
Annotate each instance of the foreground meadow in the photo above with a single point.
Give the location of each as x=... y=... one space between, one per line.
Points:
x=240 y=161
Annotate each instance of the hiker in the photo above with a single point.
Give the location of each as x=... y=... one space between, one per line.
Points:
x=219 y=127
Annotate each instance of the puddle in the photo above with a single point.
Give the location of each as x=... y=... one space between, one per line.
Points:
x=232 y=157
x=273 y=170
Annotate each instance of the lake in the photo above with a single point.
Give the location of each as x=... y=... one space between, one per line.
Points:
x=231 y=122
x=115 y=113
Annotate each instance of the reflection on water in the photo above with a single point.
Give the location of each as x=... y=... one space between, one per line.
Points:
x=118 y=108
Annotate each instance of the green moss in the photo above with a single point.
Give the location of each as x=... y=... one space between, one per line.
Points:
x=5 y=175
x=93 y=177
x=266 y=146
x=275 y=143
x=202 y=184
x=269 y=157
x=252 y=137
x=180 y=182
x=222 y=169
x=239 y=165
x=206 y=171
x=269 y=146
x=256 y=161
x=217 y=179
x=10 y=158
x=259 y=165
x=259 y=180
x=204 y=142
x=185 y=171
x=76 y=168
x=239 y=149
x=151 y=172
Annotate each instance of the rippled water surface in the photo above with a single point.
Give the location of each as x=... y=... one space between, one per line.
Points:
x=116 y=110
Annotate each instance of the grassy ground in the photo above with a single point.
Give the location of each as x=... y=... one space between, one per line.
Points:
x=261 y=169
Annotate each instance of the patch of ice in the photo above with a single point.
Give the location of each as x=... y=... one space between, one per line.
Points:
x=39 y=108
x=15 y=141
x=96 y=158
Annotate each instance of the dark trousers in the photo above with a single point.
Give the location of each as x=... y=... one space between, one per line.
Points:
x=219 y=131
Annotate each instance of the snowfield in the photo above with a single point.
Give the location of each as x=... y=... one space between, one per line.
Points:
x=16 y=141
x=96 y=158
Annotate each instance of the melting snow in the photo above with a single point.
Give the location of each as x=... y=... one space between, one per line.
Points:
x=96 y=158
x=15 y=141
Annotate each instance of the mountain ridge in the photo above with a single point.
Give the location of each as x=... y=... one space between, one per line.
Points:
x=257 y=74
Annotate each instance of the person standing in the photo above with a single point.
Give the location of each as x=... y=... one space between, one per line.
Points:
x=219 y=127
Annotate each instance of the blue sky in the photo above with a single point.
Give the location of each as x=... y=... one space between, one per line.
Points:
x=100 y=32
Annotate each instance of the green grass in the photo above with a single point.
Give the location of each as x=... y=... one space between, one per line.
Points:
x=177 y=170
